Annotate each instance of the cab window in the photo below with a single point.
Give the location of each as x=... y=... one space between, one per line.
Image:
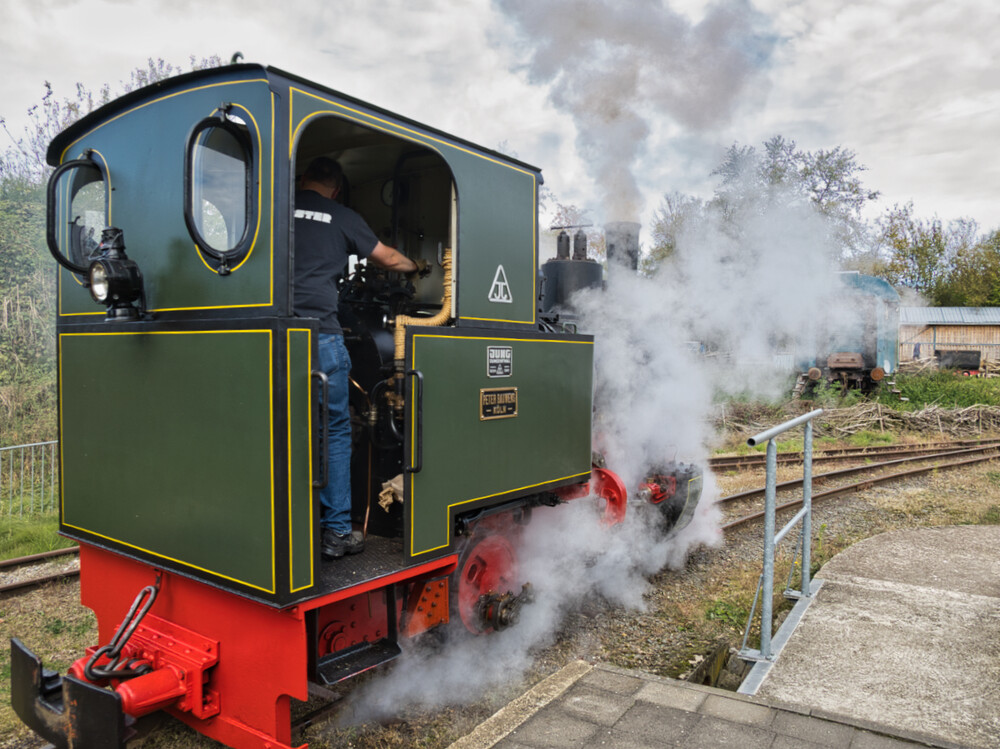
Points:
x=79 y=200
x=219 y=207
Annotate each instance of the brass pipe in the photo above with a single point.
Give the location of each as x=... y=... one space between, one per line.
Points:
x=402 y=321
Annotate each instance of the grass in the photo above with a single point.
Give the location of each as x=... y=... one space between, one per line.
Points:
x=868 y=438
x=945 y=389
x=53 y=624
x=20 y=536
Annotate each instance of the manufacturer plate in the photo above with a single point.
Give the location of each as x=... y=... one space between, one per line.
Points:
x=499 y=361
x=497 y=403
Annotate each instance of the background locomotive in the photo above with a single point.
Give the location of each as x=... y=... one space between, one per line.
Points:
x=188 y=404
x=861 y=343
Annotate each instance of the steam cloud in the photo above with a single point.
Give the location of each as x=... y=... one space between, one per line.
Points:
x=616 y=65
x=570 y=559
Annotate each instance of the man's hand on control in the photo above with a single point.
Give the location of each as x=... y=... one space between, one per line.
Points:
x=422 y=270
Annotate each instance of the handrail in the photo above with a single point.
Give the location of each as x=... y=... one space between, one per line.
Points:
x=33 y=444
x=772 y=539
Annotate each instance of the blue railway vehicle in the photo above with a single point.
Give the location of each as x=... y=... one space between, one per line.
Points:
x=860 y=345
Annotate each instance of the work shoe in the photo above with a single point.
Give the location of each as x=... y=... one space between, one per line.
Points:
x=336 y=545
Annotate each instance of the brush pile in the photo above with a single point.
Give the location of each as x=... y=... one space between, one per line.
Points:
x=841 y=422
x=927 y=364
x=990 y=368
x=918 y=366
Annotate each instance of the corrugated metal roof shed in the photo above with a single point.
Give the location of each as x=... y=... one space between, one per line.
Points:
x=949 y=315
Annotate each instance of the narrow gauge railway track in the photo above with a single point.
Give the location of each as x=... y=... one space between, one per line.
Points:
x=8 y=565
x=985 y=453
x=848 y=453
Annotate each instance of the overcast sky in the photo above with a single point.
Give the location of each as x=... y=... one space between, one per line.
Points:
x=617 y=102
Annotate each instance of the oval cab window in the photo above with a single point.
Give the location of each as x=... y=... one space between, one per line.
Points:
x=219 y=209
x=77 y=213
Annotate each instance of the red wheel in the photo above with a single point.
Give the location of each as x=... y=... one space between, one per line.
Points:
x=612 y=490
x=490 y=566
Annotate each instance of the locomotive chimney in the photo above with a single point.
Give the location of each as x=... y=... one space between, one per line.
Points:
x=622 y=239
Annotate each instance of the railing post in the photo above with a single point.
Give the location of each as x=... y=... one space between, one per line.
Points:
x=807 y=487
x=766 y=612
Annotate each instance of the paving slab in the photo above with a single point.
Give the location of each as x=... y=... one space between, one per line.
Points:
x=598 y=705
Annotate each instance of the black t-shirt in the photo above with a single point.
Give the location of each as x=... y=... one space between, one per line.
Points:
x=326 y=233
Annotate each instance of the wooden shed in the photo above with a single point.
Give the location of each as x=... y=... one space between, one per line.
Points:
x=924 y=331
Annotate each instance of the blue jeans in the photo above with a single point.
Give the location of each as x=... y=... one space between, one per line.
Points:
x=335 y=498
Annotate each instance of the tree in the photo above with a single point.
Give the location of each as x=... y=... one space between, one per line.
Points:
x=943 y=263
x=23 y=164
x=761 y=183
x=675 y=213
x=782 y=174
x=974 y=279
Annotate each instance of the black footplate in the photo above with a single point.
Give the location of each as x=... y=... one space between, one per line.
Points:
x=352 y=661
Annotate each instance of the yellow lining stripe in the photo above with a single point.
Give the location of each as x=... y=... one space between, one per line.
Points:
x=270 y=370
x=260 y=199
x=93 y=130
x=291 y=545
x=388 y=126
x=109 y=191
x=476 y=499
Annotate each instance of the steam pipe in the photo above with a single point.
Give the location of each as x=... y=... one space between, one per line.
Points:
x=402 y=321
x=579 y=245
x=562 y=245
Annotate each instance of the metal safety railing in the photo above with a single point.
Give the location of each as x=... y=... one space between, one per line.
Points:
x=29 y=479
x=765 y=584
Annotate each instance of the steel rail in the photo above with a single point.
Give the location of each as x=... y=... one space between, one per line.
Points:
x=319 y=714
x=860 y=486
x=847 y=453
x=37 y=582
x=20 y=561
x=855 y=469
x=34 y=582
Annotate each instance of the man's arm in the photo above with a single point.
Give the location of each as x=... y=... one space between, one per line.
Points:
x=391 y=259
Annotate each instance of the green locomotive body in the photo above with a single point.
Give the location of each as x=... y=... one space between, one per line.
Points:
x=189 y=427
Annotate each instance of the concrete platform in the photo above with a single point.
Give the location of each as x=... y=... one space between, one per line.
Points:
x=901 y=647
x=905 y=632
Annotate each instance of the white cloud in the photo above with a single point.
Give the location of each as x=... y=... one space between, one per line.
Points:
x=909 y=85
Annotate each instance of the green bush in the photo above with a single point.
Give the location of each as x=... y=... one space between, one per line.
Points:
x=945 y=389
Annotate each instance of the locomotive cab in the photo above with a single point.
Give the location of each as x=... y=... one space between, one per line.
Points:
x=181 y=323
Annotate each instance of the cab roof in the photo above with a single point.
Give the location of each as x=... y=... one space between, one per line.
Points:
x=59 y=144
